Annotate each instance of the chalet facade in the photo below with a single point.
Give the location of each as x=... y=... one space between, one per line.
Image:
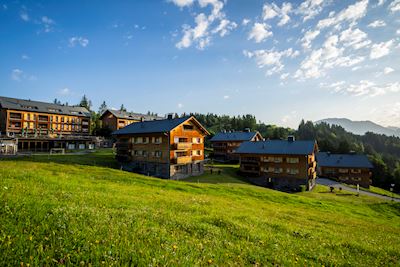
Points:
x=168 y=148
x=224 y=144
x=281 y=164
x=116 y=119
x=346 y=168
x=40 y=126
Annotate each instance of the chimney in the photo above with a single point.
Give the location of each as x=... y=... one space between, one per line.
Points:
x=247 y=130
x=169 y=116
x=142 y=119
x=291 y=138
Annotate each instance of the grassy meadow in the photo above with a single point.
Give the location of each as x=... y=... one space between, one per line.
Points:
x=82 y=210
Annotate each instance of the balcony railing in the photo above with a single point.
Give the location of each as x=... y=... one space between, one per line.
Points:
x=183 y=160
x=183 y=146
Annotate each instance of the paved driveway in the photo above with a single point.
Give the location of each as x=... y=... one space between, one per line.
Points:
x=328 y=182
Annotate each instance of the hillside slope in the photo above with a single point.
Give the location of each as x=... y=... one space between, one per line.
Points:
x=53 y=213
x=361 y=127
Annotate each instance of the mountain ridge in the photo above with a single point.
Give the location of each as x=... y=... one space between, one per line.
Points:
x=361 y=127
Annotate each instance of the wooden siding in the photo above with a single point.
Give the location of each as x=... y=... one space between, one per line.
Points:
x=111 y=121
x=14 y=121
x=361 y=176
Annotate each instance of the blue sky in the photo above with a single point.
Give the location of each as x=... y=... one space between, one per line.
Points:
x=279 y=60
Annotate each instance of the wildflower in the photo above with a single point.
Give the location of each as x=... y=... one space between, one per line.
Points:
x=30 y=238
x=174 y=247
x=97 y=241
x=210 y=261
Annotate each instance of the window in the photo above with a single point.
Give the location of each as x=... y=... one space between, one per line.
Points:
x=157 y=140
x=144 y=153
x=357 y=179
x=188 y=127
x=145 y=140
x=343 y=171
x=277 y=160
x=278 y=170
x=197 y=140
x=292 y=160
x=158 y=154
x=198 y=152
x=355 y=171
x=292 y=171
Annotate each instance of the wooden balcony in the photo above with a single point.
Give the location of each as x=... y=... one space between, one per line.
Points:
x=183 y=146
x=183 y=160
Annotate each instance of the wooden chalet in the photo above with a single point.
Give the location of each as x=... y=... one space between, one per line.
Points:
x=225 y=143
x=40 y=126
x=117 y=119
x=346 y=168
x=281 y=164
x=168 y=148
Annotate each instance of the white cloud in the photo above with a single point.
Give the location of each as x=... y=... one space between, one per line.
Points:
x=259 y=32
x=352 y=13
x=17 y=75
x=5 y=7
x=398 y=32
x=394 y=6
x=25 y=57
x=365 y=88
x=388 y=70
x=381 y=2
x=65 y=91
x=24 y=15
x=269 y=11
x=310 y=8
x=308 y=37
x=381 y=49
x=48 y=24
x=226 y=97
x=77 y=40
x=180 y=105
x=225 y=27
x=245 y=22
x=354 y=38
x=271 y=58
x=327 y=57
x=182 y=3
x=272 y=10
x=377 y=24
x=206 y=26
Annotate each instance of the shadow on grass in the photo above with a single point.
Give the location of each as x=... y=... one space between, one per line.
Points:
x=219 y=174
x=99 y=158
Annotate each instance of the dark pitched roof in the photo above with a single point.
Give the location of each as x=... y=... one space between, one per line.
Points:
x=277 y=147
x=233 y=136
x=131 y=115
x=325 y=159
x=154 y=126
x=42 y=107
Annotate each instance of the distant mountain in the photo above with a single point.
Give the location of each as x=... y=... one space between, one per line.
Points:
x=361 y=127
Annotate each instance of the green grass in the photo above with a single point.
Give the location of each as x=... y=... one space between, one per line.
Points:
x=221 y=173
x=68 y=212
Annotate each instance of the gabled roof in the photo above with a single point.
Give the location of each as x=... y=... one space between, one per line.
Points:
x=233 y=136
x=42 y=107
x=326 y=159
x=131 y=115
x=156 y=126
x=277 y=147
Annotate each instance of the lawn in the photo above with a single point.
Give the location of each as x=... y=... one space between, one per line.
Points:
x=68 y=212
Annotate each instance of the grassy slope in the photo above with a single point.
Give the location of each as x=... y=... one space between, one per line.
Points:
x=52 y=212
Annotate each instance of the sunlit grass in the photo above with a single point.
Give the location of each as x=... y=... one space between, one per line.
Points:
x=61 y=213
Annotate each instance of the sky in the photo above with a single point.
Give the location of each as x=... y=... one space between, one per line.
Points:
x=282 y=61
